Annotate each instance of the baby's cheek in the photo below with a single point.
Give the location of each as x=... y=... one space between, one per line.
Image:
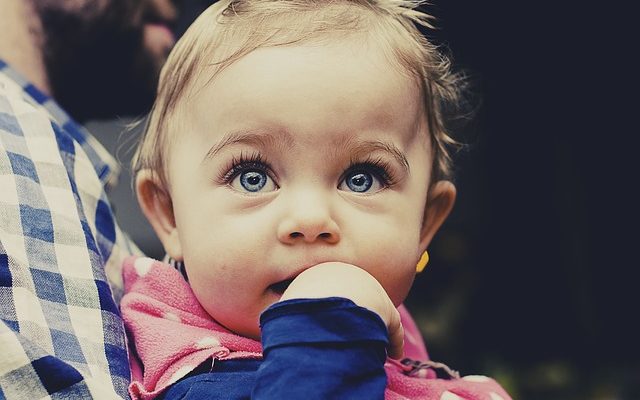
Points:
x=399 y=288
x=395 y=270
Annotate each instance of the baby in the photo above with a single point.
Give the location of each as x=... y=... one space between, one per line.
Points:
x=296 y=162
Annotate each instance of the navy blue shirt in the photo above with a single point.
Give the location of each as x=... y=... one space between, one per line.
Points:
x=313 y=349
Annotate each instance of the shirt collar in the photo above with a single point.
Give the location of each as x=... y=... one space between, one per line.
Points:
x=107 y=168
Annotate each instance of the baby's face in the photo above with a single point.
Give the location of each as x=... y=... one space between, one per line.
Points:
x=294 y=156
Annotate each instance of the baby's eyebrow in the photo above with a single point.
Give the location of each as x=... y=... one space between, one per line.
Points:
x=367 y=147
x=253 y=138
x=261 y=139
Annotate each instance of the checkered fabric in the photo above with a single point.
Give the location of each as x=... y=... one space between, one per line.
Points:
x=61 y=335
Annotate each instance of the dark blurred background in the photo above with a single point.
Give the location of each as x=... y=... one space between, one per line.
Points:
x=533 y=278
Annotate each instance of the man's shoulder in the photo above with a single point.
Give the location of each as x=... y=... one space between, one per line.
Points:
x=27 y=112
x=18 y=107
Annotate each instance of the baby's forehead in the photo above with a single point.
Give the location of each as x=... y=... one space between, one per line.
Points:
x=322 y=27
x=352 y=59
x=334 y=87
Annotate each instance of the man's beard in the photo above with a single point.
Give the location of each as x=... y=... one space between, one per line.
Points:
x=98 y=69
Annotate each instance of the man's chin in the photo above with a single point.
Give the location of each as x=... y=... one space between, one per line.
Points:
x=103 y=76
x=104 y=91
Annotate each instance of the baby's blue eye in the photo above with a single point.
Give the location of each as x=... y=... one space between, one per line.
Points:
x=359 y=182
x=366 y=178
x=253 y=181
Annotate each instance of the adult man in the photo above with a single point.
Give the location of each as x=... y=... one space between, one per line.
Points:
x=60 y=248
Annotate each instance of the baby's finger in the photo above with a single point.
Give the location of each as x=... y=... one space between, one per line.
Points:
x=396 y=337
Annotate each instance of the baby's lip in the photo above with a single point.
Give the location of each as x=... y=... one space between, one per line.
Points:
x=280 y=286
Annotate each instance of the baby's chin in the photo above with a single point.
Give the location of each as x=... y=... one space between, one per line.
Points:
x=243 y=328
x=254 y=334
x=242 y=319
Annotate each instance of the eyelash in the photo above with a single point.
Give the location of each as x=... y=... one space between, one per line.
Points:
x=253 y=161
x=378 y=167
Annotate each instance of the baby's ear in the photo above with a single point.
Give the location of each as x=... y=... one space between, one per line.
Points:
x=440 y=201
x=155 y=202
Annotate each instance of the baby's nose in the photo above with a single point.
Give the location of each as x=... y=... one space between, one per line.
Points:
x=310 y=233
x=308 y=221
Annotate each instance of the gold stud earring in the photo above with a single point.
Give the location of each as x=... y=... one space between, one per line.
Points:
x=424 y=260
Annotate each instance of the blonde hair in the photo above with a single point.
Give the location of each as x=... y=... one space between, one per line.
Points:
x=230 y=29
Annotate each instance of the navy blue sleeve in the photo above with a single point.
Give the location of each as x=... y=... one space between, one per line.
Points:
x=313 y=349
x=321 y=349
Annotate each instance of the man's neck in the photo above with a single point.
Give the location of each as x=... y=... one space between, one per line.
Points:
x=21 y=41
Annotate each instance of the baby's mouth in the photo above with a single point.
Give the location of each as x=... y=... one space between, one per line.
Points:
x=281 y=286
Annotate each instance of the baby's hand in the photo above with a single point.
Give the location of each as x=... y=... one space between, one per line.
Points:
x=336 y=279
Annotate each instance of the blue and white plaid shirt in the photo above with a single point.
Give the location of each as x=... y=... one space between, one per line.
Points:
x=61 y=251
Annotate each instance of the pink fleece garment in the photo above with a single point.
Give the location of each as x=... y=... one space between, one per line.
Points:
x=172 y=334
